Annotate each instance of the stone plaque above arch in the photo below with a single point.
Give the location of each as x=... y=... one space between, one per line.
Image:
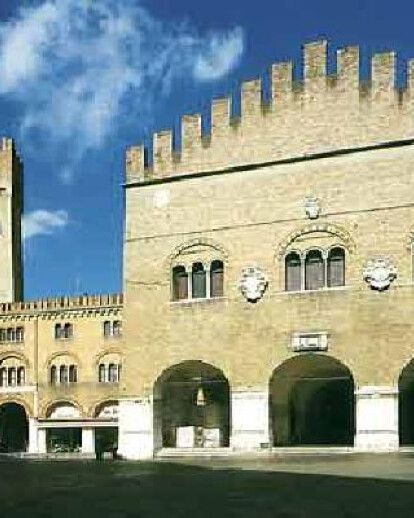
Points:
x=332 y=229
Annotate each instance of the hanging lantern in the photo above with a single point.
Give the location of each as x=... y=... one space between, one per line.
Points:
x=200 y=399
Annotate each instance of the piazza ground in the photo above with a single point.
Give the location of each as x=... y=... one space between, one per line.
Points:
x=314 y=486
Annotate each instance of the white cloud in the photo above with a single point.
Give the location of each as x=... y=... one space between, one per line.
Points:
x=221 y=55
x=81 y=68
x=43 y=222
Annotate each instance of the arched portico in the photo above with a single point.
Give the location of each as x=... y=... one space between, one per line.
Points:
x=192 y=406
x=311 y=402
x=406 y=405
x=14 y=428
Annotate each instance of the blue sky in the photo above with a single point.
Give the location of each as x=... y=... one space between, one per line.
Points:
x=82 y=80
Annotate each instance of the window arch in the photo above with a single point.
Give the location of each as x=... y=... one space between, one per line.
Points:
x=63 y=374
x=180 y=283
x=3 y=377
x=199 y=280
x=63 y=371
x=314 y=270
x=293 y=272
x=11 y=376
x=12 y=373
x=109 y=368
x=102 y=373
x=21 y=376
x=113 y=371
x=336 y=267
x=199 y=284
x=53 y=375
x=73 y=374
x=216 y=278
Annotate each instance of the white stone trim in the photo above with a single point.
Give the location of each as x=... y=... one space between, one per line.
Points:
x=136 y=430
x=309 y=341
x=88 y=440
x=18 y=389
x=376 y=418
x=250 y=420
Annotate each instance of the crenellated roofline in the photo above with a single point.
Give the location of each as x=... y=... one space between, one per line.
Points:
x=321 y=114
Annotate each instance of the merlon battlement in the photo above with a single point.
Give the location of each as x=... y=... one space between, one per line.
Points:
x=321 y=113
x=61 y=303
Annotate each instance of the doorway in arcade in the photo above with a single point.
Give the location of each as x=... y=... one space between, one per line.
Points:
x=311 y=400
x=14 y=428
x=192 y=406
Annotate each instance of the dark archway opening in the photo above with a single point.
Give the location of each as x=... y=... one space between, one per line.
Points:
x=192 y=406
x=106 y=439
x=311 y=400
x=14 y=428
x=406 y=405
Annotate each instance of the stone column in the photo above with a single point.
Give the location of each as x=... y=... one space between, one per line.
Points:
x=88 y=440
x=41 y=441
x=136 y=437
x=250 y=420
x=376 y=418
x=190 y=281
x=33 y=436
x=208 y=280
x=302 y=271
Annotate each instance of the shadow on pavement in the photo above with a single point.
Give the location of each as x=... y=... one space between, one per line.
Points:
x=123 y=489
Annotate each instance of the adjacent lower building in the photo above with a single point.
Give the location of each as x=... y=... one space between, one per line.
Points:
x=268 y=285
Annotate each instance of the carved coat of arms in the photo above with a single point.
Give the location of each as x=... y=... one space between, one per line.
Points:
x=379 y=273
x=253 y=283
x=312 y=208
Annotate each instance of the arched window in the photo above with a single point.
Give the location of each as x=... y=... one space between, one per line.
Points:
x=21 y=376
x=102 y=373
x=180 y=283
x=11 y=377
x=216 y=279
x=3 y=377
x=198 y=281
x=63 y=374
x=293 y=272
x=336 y=267
x=73 y=374
x=314 y=270
x=113 y=373
x=53 y=375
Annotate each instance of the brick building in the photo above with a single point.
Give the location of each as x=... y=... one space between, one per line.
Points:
x=268 y=282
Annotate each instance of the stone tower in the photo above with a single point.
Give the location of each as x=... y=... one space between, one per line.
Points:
x=11 y=204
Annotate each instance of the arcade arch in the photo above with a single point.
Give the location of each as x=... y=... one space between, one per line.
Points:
x=311 y=402
x=192 y=406
x=406 y=405
x=14 y=428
